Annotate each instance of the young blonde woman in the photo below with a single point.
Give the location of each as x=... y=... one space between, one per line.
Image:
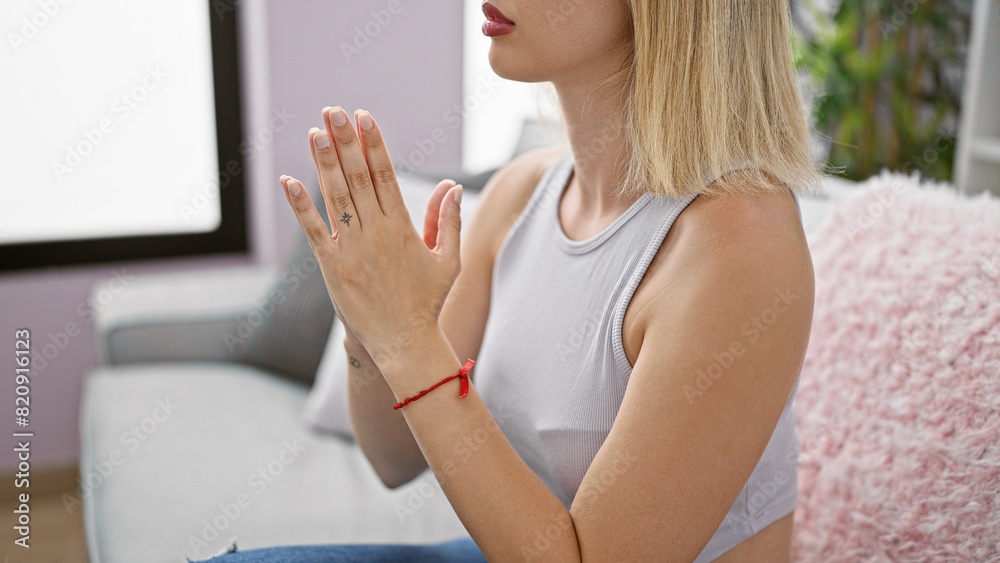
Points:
x=639 y=305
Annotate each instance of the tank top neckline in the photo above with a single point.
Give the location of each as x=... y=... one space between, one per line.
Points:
x=570 y=246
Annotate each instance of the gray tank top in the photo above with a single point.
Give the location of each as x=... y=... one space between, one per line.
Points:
x=552 y=368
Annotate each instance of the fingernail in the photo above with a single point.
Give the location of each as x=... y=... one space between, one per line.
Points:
x=322 y=141
x=458 y=195
x=294 y=187
x=366 y=121
x=338 y=117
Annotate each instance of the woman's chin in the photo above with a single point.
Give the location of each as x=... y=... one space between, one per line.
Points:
x=511 y=67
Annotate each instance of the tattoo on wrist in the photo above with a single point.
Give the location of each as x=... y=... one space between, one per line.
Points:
x=355 y=362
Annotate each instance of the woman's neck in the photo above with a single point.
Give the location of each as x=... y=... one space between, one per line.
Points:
x=596 y=131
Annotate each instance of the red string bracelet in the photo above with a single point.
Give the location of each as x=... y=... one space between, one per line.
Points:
x=462 y=375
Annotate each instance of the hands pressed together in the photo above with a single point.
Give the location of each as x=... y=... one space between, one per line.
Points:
x=386 y=282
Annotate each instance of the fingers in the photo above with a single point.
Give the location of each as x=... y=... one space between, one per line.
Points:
x=450 y=224
x=434 y=212
x=324 y=192
x=340 y=205
x=383 y=175
x=352 y=164
x=312 y=224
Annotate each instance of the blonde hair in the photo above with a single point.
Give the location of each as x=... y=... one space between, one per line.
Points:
x=712 y=105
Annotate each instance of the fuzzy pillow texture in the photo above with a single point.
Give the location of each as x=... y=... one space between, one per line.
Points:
x=899 y=397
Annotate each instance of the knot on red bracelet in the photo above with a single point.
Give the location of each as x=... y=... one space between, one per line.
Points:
x=463 y=390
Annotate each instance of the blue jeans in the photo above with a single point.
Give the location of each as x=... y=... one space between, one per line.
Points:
x=455 y=551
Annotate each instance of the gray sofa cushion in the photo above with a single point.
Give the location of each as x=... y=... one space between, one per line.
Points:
x=287 y=332
x=171 y=450
x=177 y=316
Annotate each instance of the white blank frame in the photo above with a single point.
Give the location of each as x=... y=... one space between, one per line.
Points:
x=109 y=120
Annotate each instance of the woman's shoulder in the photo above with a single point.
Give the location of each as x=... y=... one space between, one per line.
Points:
x=507 y=193
x=750 y=243
x=751 y=218
x=731 y=233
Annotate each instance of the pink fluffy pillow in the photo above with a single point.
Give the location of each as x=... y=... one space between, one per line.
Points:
x=899 y=400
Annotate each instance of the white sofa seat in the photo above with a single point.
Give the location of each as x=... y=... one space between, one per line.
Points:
x=192 y=440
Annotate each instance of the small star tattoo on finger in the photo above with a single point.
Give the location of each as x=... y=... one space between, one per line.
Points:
x=346 y=219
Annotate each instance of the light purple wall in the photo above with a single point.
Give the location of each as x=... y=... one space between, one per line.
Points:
x=407 y=76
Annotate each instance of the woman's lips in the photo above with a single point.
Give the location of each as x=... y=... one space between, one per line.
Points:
x=496 y=23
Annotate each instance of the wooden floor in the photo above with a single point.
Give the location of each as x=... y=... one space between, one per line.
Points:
x=56 y=531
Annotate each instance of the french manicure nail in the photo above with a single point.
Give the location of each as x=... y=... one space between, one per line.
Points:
x=366 y=121
x=458 y=195
x=294 y=187
x=338 y=117
x=323 y=141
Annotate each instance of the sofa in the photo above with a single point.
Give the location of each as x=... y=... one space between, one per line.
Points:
x=186 y=452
